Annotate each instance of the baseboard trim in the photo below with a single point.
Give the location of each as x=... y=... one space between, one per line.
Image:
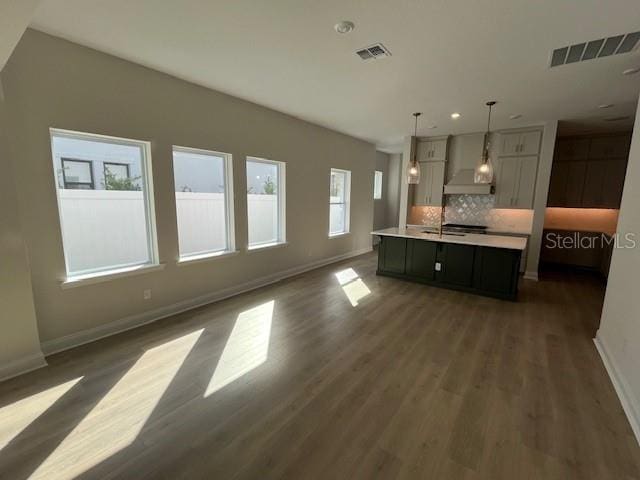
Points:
x=134 y=321
x=22 y=365
x=631 y=409
x=531 y=275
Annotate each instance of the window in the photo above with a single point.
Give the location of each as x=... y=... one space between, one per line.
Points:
x=105 y=202
x=204 y=202
x=339 y=193
x=77 y=174
x=265 y=202
x=377 y=185
x=115 y=172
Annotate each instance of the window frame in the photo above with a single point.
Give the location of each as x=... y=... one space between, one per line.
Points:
x=378 y=195
x=281 y=228
x=227 y=175
x=346 y=202
x=117 y=164
x=88 y=276
x=65 y=182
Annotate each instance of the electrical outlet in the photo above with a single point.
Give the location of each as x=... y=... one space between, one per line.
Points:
x=146 y=294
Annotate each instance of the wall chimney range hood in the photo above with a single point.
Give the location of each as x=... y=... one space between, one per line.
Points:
x=463 y=183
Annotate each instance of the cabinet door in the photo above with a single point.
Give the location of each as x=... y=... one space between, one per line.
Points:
x=593 y=183
x=568 y=149
x=422 y=191
x=496 y=270
x=439 y=150
x=530 y=143
x=613 y=183
x=421 y=259
x=506 y=182
x=558 y=184
x=609 y=147
x=509 y=143
x=423 y=151
x=575 y=184
x=457 y=267
x=392 y=254
x=525 y=190
x=436 y=172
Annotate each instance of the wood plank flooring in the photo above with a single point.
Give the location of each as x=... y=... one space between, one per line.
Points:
x=327 y=376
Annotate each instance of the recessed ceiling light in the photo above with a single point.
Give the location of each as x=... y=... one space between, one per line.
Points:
x=606 y=105
x=631 y=71
x=455 y=115
x=344 y=26
x=515 y=116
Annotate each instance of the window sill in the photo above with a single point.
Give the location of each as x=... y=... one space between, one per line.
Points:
x=206 y=257
x=266 y=246
x=89 y=279
x=341 y=234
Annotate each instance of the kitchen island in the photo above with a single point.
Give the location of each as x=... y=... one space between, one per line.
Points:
x=483 y=264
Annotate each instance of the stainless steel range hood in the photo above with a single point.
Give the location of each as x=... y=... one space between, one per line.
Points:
x=462 y=183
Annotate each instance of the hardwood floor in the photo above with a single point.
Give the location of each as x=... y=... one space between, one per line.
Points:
x=311 y=379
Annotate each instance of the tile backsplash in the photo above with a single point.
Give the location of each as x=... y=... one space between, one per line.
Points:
x=474 y=210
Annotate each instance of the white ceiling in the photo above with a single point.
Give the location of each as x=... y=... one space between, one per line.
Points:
x=15 y=15
x=447 y=56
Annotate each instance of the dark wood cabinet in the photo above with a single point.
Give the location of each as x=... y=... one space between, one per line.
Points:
x=421 y=259
x=589 y=172
x=392 y=254
x=456 y=264
x=496 y=270
x=486 y=271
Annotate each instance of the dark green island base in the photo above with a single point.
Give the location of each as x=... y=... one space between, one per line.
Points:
x=488 y=271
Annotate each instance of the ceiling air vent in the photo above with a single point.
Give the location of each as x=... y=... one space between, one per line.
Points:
x=602 y=47
x=374 y=51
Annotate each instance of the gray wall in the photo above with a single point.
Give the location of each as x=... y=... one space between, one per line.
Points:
x=393 y=189
x=618 y=338
x=50 y=82
x=380 y=206
x=19 y=342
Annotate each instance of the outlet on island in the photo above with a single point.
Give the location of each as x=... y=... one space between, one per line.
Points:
x=146 y=294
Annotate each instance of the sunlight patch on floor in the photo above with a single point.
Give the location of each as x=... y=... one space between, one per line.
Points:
x=352 y=285
x=119 y=416
x=14 y=418
x=246 y=348
x=347 y=275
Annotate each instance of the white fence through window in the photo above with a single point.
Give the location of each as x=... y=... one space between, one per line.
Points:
x=109 y=226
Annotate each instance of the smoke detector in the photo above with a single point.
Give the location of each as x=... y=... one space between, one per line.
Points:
x=344 y=26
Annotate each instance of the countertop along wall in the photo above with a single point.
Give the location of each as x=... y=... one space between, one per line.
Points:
x=50 y=82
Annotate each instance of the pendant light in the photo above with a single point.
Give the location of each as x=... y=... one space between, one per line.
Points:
x=413 y=169
x=484 y=171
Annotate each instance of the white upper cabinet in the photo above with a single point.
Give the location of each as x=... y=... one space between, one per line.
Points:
x=429 y=191
x=432 y=150
x=515 y=182
x=530 y=143
x=519 y=143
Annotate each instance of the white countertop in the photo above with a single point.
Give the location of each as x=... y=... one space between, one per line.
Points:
x=496 y=241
